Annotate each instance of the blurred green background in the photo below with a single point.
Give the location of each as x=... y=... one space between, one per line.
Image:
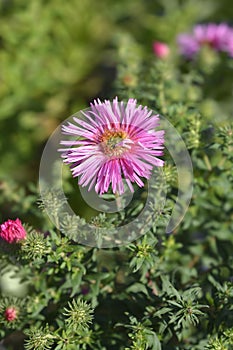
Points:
x=56 y=56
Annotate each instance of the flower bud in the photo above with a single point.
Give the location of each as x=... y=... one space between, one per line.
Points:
x=10 y=314
x=161 y=50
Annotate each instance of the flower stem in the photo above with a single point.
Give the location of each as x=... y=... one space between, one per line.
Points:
x=118 y=201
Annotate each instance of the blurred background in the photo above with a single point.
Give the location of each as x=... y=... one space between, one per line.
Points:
x=56 y=56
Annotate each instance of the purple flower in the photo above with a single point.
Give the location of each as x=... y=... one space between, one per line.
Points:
x=189 y=47
x=115 y=141
x=217 y=36
x=12 y=231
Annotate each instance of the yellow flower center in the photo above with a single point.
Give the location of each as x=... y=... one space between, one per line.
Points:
x=112 y=142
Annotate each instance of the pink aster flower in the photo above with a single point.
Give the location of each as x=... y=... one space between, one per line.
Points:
x=161 y=50
x=10 y=314
x=115 y=141
x=217 y=36
x=12 y=231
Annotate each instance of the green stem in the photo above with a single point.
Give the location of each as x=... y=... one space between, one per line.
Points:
x=118 y=201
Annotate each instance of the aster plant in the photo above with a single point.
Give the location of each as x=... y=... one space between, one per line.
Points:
x=219 y=37
x=115 y=141
x=161 y=291
x=209 y=48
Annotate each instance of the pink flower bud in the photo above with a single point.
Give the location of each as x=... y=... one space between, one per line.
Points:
x=10 y=314
x=161 y=50
x=12 y=231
